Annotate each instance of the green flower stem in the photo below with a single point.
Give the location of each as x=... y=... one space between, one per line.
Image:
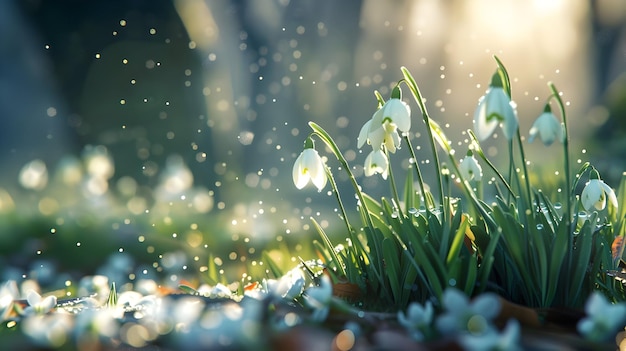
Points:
x=328 y=140
x=511 y=168
x=333 y=185
x=504 y=74
x=482 y=155
x=584 y=168
x=420 y=180
x=443 y=141
x=112 y=300
x=566 y=165
x=524 y=167
x=410 y=81
x=569 y=193
x=507 y=82
x=471 y=194
x=394 y=189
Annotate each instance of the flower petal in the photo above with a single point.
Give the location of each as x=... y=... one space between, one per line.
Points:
x=482 y=127
x=399 y=112
x=470 y=169
x=33 y=298
x=487 y=305
x=48 y=303
x=593 y=196
x=392 y=141
x=454 y=300
x=510 y=123
x=309 y=166
x=317 y=172
x=376 y=162
x=610 y=194
x=376 y=136
x=300 y=176
x=500 y=110
x=363 y=134
x=447 y=323
x=548 y=127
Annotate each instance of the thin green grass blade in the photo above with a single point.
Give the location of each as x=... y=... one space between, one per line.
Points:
x=458 y=239
x=581 y=258
x=409 y=193
x=392 y=265
x=330 y=248
x=212 y=276
x=271 y=265
x=112 y=300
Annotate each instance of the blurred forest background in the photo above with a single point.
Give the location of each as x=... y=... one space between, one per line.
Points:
x=185 y=116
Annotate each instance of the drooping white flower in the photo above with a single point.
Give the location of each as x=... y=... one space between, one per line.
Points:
x=416 y=319
x=464 y=316
x=319 y=299
x=96 y=286
x=595 y=193
x=382 y=128
x=94 y=322
x=364 y=133
x=37 y=304
x=309 y=166
x=376 y=162
x=508 y=339
x=495 y=108
x=548 y=127
x=8 y=294
x=603 y=318
x=290 y=285
x=51 y=331
x=469 y=168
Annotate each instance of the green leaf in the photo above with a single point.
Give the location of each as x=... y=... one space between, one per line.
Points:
x=621 y=197
x=472 y=272
x=392 y=265
x=375 y=269
x=458 y=239
x=322 y=251
x=409 y=276
x=372 y=205
x=440 y=136
x=271 y=265
x=581 y=257
x=212 y=276
x=112 y=300
x=539 y=258
x=330 y=249
x=555 y=232
x=187 y=289
x=504 y=75
x=422 y=256
x=409 y=193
